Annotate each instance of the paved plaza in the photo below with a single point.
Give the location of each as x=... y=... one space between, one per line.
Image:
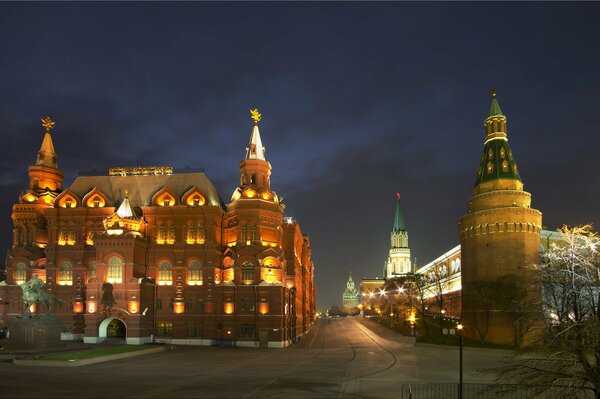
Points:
x=339 y=358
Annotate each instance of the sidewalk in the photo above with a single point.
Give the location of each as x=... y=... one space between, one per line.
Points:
x=384 y=332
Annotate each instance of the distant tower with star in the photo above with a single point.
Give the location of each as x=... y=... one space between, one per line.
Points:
x=350 y=297
x=500 y=234
x=398 y=263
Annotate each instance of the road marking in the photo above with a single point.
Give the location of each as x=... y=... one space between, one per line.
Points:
x=314 y=336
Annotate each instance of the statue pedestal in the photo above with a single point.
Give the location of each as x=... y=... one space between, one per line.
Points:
x=34 y=331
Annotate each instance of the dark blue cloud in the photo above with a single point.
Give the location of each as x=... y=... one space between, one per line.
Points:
x=360 y=100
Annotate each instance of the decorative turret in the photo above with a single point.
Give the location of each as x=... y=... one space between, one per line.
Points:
x=46 y=155
x=500 y=234
x=123 y=221
x=255 y=149
x=398 y=262
x=255 y=170
x=45 y=179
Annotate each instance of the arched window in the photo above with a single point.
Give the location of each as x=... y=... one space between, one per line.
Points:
x=65 y=273
x=20 y=273
x=443 y=271
x=248 y=273
x=195 y=273
x=505 y=166
x=91 y=271
x=490 y=168
x=115 y=270
x=165 y=273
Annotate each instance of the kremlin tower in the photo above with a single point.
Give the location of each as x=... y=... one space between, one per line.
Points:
x=500 y=234
x=398 y=263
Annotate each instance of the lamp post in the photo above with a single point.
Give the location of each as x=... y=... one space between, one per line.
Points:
x=459 y=327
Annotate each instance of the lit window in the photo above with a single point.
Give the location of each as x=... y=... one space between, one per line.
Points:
x=248 y=273
x=165 y=273
x=195 y=273
x=505 y=166
x=20 y=273
x=502 y=152
x=165 y=329
x=65 y=273
x=115 y=270
x=490 y=154
x=490 y=167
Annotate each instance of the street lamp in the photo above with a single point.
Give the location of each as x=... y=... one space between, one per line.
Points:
x=459 y=327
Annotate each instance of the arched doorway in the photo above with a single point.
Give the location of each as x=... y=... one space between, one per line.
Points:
x=112 y=328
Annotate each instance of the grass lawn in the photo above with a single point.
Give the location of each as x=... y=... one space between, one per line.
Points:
x=87 y=354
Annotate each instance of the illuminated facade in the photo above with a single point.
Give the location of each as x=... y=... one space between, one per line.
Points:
x=350 y=296
x=148 y=253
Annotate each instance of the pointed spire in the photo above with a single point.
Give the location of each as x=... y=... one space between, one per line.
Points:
x=350 y=283
x=495 y=108
x=46 y=155
x=255 y=149
x=398 y=219
x=125 y=210
x=497 y=162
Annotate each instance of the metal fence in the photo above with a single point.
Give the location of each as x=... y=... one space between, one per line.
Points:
x=485 y=391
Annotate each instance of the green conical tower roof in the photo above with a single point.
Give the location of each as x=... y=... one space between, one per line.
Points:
x=399 y=219
x=495 y=108
x=497 y=161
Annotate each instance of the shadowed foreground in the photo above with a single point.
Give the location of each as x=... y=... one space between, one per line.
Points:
x=339 y=358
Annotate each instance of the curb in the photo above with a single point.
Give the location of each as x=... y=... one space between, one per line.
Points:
x=85 y=362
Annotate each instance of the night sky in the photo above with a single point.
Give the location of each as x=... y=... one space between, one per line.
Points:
x=359 y=101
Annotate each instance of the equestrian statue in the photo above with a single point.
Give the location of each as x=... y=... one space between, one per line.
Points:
x=33 y=293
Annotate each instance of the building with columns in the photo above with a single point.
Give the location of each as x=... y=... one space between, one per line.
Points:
x=151 y=253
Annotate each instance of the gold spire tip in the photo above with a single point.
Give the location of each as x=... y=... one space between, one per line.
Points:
x=126 y=193
x=493 y=93
x=255 y=115
x=48 y=123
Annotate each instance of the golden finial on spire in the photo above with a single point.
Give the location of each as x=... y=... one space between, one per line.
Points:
x=48 y=123
x=126 y=192
x=255 y=115
x=493 y=93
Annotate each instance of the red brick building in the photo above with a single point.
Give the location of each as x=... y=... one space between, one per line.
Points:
x=147 y=253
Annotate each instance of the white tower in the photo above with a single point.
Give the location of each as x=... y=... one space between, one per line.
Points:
x=398 y=262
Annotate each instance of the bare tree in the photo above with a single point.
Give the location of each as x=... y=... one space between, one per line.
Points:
x=569 y=362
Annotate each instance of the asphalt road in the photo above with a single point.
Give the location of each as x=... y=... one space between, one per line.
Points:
x=339 y=358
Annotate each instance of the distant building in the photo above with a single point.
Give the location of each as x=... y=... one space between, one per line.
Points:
x=398 y=263
x=148 y=252
x=350 y=297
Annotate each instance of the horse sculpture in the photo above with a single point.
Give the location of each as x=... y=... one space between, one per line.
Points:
x=30 y=297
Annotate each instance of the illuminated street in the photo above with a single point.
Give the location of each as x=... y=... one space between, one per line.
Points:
x=338 y=358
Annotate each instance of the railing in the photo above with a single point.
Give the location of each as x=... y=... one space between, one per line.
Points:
x=485 y=391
